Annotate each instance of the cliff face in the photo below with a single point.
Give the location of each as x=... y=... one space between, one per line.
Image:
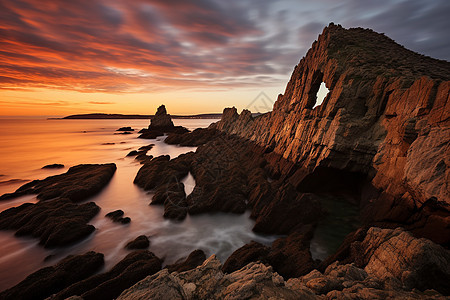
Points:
x=384 y=127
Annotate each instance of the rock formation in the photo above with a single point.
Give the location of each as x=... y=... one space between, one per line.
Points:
x=258 y=281
x=161 y=123
x=382 y=132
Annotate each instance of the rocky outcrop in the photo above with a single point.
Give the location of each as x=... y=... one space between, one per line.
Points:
x=47 y=281
x=105 y=286
x=161 y=123
x=53 y=166
x=382 y=131
x=77 y=184
x=258 y=281
x=56 y=223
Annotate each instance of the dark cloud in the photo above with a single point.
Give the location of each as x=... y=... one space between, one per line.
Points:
x=145 y=45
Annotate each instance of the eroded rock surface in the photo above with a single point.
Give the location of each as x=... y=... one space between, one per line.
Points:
x=383 y=128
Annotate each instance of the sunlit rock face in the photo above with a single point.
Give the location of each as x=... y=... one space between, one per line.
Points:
x=383 y=127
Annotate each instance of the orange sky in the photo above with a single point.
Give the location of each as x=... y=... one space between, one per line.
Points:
x=115 y=56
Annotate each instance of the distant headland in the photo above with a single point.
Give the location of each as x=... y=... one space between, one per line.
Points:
x=121 y=116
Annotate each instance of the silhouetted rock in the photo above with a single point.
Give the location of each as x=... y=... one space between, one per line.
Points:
x=161 y=123
x=117 y=217
x=128 y=128
x=53 y=166
x=195 y=259
x=57 y=222
x=105 y=286
x=133 y=153
x=141 y=242
x=248 y=253
x=77 y=184
x=49 y=280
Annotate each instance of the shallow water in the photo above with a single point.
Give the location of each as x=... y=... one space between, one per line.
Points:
x=28 y=145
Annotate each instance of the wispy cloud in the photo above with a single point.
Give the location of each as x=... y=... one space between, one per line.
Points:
x=149 y=45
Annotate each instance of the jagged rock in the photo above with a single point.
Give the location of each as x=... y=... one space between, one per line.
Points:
x=117 y=216
x=248 y=253
x=195 y=259
x=141 y=242
x=50 y=280
x=161 y=123
x=77 y=184
x=56 y=223
x=383 y=129
x=134 y=267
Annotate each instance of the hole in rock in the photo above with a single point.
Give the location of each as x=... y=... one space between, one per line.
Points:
x=321 y=94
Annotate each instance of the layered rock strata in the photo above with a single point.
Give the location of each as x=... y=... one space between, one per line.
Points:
x=383 y=130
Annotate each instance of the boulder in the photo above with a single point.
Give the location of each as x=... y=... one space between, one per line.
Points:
x=195 y=259
x=141 y=242
x=117 y=217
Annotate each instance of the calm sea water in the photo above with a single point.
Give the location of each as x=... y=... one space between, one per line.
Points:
x=27 y=145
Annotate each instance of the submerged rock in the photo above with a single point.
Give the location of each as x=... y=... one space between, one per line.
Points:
x=49 y=280
x=127 y=128
x=117 y=217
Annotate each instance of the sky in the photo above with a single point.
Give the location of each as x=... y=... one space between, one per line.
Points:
x=61 y=57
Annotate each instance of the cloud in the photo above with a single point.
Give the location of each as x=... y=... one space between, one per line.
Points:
x=149 y=45
x=101 y=102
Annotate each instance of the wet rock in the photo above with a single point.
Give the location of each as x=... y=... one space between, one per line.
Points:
x=77 y=184
x=289 y=256
x=133 y=153
x=53 y=166
x=127 y=128
x=117 y=217
x=49 y=280
x=141 y=242
x=134 y=267
x=56 y=223
x=195 y=259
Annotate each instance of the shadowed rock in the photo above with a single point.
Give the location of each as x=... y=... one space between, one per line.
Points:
x=77 y=184
x=197 y=137
x=105 y=286
x=117 y=217
x=53 y=166
x=195 y=259
x=141 y=242
x=57 y=222
x=160 y=124
x=128 y=128
x=47 y=281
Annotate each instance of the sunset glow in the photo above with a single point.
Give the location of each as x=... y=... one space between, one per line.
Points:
x=64 y=57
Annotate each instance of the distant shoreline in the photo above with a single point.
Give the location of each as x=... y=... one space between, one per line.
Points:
x=120 y=116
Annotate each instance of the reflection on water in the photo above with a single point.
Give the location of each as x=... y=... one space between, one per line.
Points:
x=27 y=145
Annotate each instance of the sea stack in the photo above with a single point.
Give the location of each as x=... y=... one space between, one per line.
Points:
x=161 y=120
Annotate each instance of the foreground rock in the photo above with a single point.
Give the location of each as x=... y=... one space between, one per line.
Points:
x=160 y=124
x=57 y=220
x=56 y=223
x=195 y=138
x=257 y=281
x=134 y=267
x=77 y=184
x=50 y=280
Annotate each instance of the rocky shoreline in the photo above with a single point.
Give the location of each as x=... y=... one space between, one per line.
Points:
x=379 y=140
